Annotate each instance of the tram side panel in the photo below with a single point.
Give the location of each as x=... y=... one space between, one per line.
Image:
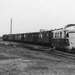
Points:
x=31 y=35
x=5 y=37
x=44 y=38
x=10 y=37
x=28 y=38
x=35 y=38
x=17 y=37
x=59 y=43
x=22 y=37
x=50 y=38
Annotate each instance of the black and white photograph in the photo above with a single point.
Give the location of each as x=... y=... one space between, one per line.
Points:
x=37 y=37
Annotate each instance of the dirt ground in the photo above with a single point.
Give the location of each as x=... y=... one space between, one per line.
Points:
x=22 y=61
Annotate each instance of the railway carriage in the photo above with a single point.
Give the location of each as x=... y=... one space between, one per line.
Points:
x=64 y=38
x=10 y=37
x=5 y=37
x=28 y=37
x=45 y=37
x=17 y=37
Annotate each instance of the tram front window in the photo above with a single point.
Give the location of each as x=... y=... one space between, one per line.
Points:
x=67 y=35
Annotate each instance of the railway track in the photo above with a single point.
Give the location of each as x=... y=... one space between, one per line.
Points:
x=63 y=54
x=51 y=51
x=57 y=52
x=42 y=48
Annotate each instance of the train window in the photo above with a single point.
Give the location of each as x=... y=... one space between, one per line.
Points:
x=60 y=34
x=55 y=35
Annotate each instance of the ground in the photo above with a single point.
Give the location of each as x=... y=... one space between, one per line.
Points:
x=22 y=61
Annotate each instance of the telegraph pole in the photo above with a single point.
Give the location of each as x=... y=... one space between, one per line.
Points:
x=10 y=30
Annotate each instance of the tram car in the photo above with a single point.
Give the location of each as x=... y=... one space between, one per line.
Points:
x=63 y=38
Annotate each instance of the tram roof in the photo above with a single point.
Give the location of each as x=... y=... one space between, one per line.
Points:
x=69 y=25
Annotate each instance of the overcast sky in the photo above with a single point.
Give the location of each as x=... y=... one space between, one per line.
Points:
x=33 y=15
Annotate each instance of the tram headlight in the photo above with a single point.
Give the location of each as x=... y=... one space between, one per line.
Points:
x=71 y=42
